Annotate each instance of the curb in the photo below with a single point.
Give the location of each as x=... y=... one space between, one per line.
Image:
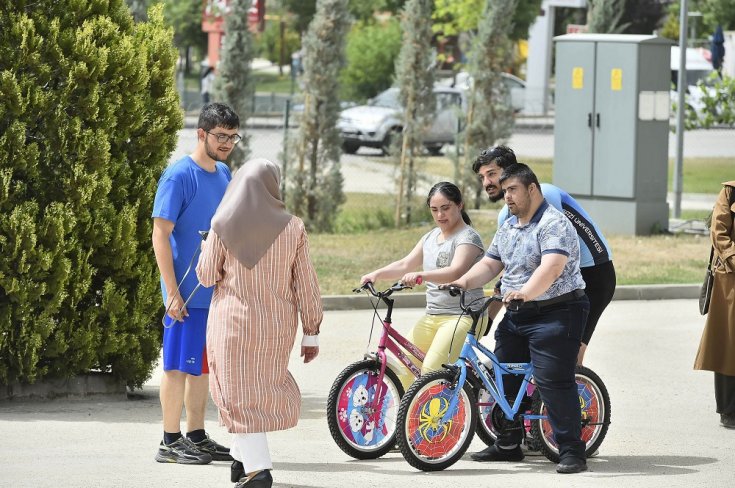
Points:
x=82 y=386
x=417 y=300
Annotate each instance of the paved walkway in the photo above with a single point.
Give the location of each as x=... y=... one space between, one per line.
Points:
x=664 y=431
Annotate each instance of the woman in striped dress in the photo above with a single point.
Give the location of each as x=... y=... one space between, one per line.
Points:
x=257 y=257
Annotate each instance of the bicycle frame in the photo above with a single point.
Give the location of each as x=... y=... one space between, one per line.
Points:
x=388 y=339
x=468 y=357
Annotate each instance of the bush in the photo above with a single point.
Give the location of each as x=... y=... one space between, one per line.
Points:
x=88 y=116
x=371 y=53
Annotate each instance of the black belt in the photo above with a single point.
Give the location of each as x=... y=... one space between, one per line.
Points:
x=578 y=293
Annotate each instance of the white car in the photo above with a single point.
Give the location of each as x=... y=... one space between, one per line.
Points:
x=516 y=87
x=381 y=120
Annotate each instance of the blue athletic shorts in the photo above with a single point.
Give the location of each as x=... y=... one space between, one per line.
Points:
x=184 y=343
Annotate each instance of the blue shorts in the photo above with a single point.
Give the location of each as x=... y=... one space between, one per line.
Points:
x=184 y=343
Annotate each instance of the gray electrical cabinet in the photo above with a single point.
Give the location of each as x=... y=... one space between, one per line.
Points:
x=611 y=132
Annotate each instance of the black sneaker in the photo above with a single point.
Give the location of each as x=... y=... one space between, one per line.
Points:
x=181 y=451
x=217 y=451
x=495 y=453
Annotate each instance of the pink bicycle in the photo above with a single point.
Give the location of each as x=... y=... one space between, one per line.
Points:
x=362 y=407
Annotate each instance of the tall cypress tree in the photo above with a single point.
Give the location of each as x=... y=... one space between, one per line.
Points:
x=89 y=114
x=415 y=75
x=604 y=16
x=315 y=188
x=234 y=83
x=489 y=114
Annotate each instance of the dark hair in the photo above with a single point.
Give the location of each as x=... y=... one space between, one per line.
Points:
x=501 y=155
x=218 y=115
x=522 y=172
x=452 y=192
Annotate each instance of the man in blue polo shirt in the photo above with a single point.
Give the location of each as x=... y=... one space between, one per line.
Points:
x=596 y=263
x=188 y=194
x=538 y=251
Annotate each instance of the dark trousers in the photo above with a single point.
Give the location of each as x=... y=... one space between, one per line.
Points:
x=725 y=393
x=549 y=338
x=600 y=281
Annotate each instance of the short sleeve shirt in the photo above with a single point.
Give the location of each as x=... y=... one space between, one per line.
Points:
x=593 y=246
x=188 y=196
x=520 y=248
x=440 y=255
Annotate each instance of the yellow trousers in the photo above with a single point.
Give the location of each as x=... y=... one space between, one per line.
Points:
x=434 y=334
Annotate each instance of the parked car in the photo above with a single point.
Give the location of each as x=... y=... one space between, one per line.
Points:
x=381 y=120
x=515 y=86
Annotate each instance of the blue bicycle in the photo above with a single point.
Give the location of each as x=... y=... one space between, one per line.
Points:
x=438 y=415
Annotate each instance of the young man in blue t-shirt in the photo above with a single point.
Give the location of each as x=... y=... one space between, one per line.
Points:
x=596 y=263
x=188 y=194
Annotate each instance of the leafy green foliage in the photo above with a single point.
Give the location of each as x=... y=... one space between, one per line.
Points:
x=714 y=13
x=234 y=84
x=717 y=95
x=452 y=17
x=371 y=53
x=314 y=178
x=361 y=10
x=88 y=117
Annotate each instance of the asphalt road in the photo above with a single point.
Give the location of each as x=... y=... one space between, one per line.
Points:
x=664 y=430
x=362 y=174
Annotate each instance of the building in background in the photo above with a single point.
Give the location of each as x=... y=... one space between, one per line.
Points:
x=213 y=23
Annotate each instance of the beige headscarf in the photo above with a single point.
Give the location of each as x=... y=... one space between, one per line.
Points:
x=251 y=214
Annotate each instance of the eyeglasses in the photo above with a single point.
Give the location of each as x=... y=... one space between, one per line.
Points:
x=222 y=138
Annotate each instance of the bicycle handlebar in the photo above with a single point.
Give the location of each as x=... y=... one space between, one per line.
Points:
x=513 y=305
x=398 y=286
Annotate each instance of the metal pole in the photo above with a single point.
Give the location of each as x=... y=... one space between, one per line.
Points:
x=682 y=86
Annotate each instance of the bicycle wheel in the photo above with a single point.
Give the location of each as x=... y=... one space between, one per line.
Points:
x=358 y=426
x=595 y=403
x=486 y=430
x=425 y=442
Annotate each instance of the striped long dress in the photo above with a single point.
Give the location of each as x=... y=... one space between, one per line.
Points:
x=252 y=326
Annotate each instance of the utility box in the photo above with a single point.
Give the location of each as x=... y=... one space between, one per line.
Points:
x=611 y=132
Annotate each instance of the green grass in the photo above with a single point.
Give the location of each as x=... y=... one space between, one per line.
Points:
x=274 y=83
x=703 y=175
x=364 y=243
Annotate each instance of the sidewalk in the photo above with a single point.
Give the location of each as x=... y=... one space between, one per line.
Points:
x=664 y=432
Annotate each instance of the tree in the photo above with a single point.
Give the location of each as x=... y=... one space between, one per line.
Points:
x=361 y=10
x=605 y=16
x=415 y=76
x=489 y=116
x=714 y=13
x=185 y=16
x=316 y=184
x=643 y=16
x=371 y=53
x=452 y=17
x=234 y=83
x=88 y=117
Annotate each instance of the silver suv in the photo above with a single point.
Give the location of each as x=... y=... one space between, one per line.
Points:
x=381 y=120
